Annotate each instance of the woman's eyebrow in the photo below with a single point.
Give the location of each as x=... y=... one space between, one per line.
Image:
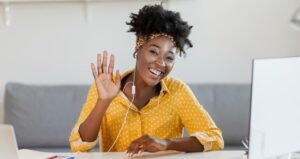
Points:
x=159 y=48
x=155 y=45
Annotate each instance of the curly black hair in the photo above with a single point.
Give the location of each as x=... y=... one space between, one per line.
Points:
x=153 y=19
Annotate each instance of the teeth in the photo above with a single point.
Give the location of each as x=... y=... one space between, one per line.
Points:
x=156 y=72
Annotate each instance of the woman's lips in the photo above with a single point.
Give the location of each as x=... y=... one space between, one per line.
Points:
x=155 y=73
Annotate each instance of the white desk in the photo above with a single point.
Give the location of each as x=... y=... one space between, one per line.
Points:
x=28 y=154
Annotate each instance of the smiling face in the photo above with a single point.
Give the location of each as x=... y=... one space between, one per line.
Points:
x=155 y=60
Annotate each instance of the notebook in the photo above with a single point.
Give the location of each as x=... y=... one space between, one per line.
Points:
x=9 y=147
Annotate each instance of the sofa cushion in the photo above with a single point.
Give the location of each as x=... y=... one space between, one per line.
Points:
x=43 y=116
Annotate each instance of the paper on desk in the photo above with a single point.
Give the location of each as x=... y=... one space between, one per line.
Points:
x=31 y=154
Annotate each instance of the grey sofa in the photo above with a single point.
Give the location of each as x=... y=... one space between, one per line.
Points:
x=43 y=116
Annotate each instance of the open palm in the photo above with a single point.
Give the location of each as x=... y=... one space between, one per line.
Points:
x=107 y=87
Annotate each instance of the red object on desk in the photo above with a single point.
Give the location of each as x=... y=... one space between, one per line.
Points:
x=52 y=157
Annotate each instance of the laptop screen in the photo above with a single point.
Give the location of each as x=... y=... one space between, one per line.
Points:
x=8 y=143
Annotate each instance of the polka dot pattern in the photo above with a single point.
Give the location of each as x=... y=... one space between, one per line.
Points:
x=164 y=116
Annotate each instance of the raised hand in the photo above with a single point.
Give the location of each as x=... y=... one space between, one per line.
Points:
x=107 y=87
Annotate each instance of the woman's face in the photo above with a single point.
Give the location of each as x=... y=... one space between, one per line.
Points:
x=155 y=60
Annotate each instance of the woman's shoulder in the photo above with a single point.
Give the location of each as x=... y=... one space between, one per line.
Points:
x=174 y=84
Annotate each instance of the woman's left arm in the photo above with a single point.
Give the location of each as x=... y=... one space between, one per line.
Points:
x=197 y=121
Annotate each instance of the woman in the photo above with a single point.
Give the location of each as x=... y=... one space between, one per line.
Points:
x=151 y=110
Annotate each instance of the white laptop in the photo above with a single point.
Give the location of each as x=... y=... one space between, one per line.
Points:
x=9 y=147
x=8 y=142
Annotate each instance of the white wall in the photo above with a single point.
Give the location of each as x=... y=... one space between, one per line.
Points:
x=51 y=43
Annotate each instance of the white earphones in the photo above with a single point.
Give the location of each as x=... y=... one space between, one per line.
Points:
x=133 y=91
x=125 y=118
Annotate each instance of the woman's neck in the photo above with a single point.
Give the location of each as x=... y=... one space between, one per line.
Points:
x=141 y=87
x=143 y=91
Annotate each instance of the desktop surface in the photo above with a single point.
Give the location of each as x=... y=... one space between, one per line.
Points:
x=29 y=154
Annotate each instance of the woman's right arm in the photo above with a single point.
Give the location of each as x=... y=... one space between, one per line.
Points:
x=107 y=90
x=89 y=129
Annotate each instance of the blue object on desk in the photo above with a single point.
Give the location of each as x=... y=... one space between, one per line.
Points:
x=62 y=157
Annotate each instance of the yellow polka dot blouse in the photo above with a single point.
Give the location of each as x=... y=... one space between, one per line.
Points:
x=164 y=117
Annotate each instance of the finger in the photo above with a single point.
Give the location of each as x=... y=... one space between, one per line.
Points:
x=140 y=153
x=143 y=149
x=111 y=64
x=104 y=64
x=135 y=151
x=137 y=144
x=133 y=148
x=118 y=79
x=99 y=64
x=94 y=71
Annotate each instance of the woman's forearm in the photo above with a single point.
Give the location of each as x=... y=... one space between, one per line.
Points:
x=89 y=129
x=186 y=144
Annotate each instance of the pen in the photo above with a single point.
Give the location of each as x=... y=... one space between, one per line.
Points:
x=61 y=157
x=52 y=157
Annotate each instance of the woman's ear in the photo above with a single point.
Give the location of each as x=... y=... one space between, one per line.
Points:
x=135 y=55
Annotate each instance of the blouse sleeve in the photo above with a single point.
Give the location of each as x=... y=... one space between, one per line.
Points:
x=198 y=122
x=75 y=140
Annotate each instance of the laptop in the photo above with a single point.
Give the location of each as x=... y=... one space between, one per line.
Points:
x=9 y=147
x=8 y=142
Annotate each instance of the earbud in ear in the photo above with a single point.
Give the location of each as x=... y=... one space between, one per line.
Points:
x=135 y=55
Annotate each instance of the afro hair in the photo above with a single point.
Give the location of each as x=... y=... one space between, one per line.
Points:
x=153 y=19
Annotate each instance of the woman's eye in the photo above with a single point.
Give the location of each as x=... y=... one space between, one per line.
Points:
x=153 y=52
x=170 y=58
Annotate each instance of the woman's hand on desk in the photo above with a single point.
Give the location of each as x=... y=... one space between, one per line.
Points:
x=107 y=88
x=147 y=143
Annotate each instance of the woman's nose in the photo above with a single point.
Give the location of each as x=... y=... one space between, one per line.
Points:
x=160 y=61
